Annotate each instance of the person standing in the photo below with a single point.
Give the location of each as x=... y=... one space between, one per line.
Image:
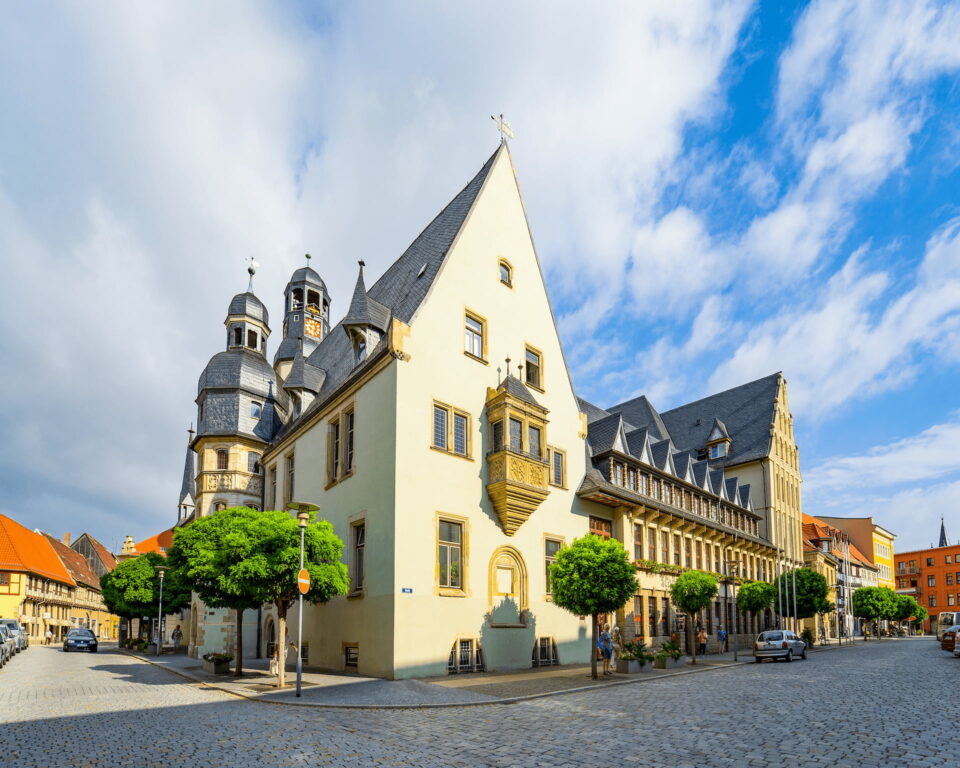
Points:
x=722 y=639
x=48 y=637
x=606 y=648
x=616 y=646
x=701 y=642
x=176 y=636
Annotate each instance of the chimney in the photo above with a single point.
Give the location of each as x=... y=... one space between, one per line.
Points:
x=66 y=538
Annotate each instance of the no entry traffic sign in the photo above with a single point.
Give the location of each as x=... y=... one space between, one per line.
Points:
x=303 y=581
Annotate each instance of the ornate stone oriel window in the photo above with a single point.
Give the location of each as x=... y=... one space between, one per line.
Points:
x=518 y=472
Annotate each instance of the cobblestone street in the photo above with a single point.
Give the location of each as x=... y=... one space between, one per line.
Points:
x=840 y=708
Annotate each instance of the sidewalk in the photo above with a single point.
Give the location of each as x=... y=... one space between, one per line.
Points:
x=343 y=691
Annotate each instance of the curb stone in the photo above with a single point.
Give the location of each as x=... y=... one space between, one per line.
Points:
x=442 y=705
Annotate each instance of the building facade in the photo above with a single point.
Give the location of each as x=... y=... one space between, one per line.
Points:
x=87 y=609
x=932 y=576
x=437 y=428
x=873 y=541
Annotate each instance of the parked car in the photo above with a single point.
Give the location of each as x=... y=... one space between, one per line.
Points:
x=948 y=640
x=778 y=644
x=80 y=640
x=7 y=645
x=19 y=633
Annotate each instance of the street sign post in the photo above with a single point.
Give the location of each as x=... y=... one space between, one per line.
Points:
x=303 y=581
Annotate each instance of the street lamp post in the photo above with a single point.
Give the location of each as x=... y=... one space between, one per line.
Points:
x=161 y=569
x=732 y=567
x=303 y=517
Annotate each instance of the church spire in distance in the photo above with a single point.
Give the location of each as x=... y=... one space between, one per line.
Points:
x=943 y=534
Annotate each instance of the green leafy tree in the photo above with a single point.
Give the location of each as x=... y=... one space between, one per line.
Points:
x=266 y=559
x=691 y=593
x=591 y=577
x=906 y=607
x=811 y=588
x=755 y=596
x=874 y=603
x=210 y=556
x=920 y=616
x=132 y=589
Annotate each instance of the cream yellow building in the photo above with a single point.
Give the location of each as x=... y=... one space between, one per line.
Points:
x=437 y=428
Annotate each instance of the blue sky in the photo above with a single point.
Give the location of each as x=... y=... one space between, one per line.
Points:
x=717 y=190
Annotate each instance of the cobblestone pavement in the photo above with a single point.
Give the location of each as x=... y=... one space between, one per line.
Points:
x=840 y=708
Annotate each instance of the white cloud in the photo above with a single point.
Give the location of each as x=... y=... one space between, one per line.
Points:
x=929 y=455
x=852 y=340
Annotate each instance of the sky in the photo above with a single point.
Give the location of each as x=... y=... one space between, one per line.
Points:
x=717 y=191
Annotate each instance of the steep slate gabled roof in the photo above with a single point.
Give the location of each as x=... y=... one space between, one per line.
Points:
x=75 y=563
x=641 y=413
x=106 y=556
x=23 y=550
x=513 y=386
x=365 y=310
x=303 y=375
x=603 y=433
x=746 y=411
x=400 y=291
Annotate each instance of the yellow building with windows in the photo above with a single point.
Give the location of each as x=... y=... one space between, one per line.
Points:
x=437 y=428
x=874 y=541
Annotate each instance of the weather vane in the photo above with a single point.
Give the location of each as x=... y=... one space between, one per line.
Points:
x=251 y=270
x=506 y=132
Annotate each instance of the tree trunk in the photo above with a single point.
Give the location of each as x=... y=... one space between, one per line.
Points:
x=693 y=645
x=593 y=649
x=281 y=644
x=238 y=646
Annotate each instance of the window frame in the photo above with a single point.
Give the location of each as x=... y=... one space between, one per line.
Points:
x=528 y=350
x=548 y=560
x=451 y=414
x=446 y=591
x=502 y=263
x=290 y=472
x=469 y=314
x=358 y=566
x=223 y=459
x=552 y=454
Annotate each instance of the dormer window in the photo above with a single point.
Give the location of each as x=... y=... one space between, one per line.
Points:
x=506 y=273
x=256 y=409
x=361 y=349
x=718 y=450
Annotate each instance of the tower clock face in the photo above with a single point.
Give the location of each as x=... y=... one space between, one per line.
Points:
x=312 y=327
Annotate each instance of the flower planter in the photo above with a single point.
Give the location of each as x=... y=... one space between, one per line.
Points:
x=631 y=667
x=668 y=663
x=216 y=667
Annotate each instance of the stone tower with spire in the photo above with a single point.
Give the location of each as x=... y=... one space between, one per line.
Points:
x=240 y=409
x=306 y=319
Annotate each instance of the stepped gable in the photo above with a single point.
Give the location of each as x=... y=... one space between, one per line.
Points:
x=745 y=412
x=399 y=291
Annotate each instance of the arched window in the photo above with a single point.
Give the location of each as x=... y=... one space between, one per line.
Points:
x=506 y=272
x=465 y=656
x=222 y=459
x=219 y=506
x=296 y=298
x=508 y=588
x=361 y=349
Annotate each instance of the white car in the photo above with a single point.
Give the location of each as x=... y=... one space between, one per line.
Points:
x=19 y=633
x=778 y=644
x=8 y=645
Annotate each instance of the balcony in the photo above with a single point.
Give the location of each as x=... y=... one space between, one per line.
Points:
x=908 y=590
x=517 y=486
x=908 y=571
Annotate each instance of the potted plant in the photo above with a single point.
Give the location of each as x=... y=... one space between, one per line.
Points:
x=217 y=663
x=634 y=657
x=668 y=655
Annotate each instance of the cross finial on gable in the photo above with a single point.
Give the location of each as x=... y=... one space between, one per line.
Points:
x=506 y=132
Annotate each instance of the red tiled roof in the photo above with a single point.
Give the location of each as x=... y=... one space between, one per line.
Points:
x=159 y=543
x=23 y=550
x=75 y=563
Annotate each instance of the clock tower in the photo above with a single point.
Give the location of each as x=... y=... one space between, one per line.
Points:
x=306 y=317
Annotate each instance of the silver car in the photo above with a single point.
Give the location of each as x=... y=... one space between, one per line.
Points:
x=19 y=633
x=7 y=645
x=778 y=644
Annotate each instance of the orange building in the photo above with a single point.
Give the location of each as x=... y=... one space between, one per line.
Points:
x=35 y=586
x=932 y=576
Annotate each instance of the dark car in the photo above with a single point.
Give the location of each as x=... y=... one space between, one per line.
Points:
x=80 y=640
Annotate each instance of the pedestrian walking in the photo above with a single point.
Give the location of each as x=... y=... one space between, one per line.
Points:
x=701 y=642
x=722 y=639
x=274 y=661
x=616 y=646
x=48 y=637
x=176 y=636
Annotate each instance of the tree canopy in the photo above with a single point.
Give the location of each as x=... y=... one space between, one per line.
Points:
x=132 y=589
x=692 y=592
x=811 y=589
x=210 y=556
x=755 y=596
x=906 y=607
x=591 y=577
x=874 y=603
